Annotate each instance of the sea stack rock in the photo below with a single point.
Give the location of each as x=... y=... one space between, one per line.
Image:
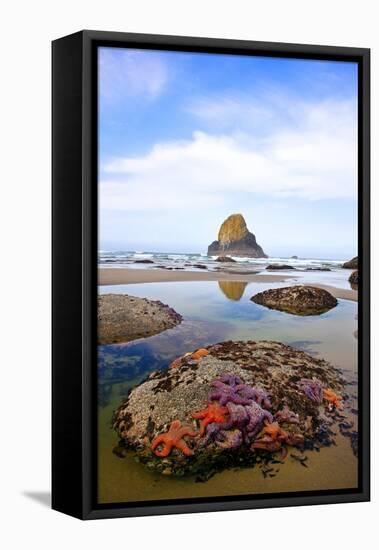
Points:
x=235 y=239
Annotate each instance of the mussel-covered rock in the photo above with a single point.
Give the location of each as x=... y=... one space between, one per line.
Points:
x=298 y=300
x=225 y=405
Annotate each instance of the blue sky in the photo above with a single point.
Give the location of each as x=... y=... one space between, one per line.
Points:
x=187 y=139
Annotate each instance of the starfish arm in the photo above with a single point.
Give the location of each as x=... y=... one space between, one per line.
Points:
x=187 y=431
x=182 y=446
x=157 y=441
x=199 y=414
x=166 y=447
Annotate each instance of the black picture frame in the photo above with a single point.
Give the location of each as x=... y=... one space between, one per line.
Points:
x=74 y=272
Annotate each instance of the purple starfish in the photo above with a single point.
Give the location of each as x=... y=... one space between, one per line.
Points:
x=226 y=439
x=258 y=395
x=257 y=416
x=312 y=389
x=230 y=379
x=247 y=419
x=224 y=393
x=230 y=439
x=229 y=387
x=286 y=415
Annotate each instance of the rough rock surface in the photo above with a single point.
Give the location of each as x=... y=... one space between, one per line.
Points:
x=353 y=280
x=122 y=318
x=351 y=264
x=224 y=259
x=235 y=239
x=274 y=372
x=298 y=300
x=278 y=267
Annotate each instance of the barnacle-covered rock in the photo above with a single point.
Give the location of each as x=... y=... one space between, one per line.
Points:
x=298 y=300
x=122 y=318
x=225 y=400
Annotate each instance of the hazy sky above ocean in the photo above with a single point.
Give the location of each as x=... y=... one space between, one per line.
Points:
x=185 y=139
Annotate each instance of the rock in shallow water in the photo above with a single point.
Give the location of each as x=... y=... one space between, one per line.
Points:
x=351 y=264
x=353 y=280
x=264 y=388
x=298 y=300
x=278 y=267
x=225 y=259
x=122 y=318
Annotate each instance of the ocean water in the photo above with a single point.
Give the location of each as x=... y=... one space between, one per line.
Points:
x=216 y=311
x=132 y=258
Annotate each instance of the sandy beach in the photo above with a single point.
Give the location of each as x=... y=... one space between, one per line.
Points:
x=124 y=276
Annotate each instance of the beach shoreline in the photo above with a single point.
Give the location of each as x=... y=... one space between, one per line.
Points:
x=125 y=276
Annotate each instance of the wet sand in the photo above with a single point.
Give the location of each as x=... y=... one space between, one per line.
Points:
x=124 y=276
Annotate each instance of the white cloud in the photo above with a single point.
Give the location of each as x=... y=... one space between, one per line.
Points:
x=313 y=156
x=125 y=73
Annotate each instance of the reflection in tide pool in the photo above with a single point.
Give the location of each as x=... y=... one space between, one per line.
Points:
x=232 y=289
x=212 y=312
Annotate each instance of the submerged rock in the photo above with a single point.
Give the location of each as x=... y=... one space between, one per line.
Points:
x=235 y=238
x=122 y=318
x=298 y=300
x=351 y=264
x=225 y=409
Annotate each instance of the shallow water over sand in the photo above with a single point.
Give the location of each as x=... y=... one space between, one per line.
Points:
x=215 y=312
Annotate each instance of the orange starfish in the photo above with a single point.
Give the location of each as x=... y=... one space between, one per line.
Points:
x=198 y=354
x=173 y=438
x=212 y=413
x=176 y=363
x=275 y=431
x=333 y=398
x=274 y=438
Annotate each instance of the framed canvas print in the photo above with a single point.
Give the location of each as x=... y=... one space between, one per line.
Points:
x=210 y=274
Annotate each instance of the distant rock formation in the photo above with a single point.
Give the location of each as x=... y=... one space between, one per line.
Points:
x=351 y=264
x=235 y=239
